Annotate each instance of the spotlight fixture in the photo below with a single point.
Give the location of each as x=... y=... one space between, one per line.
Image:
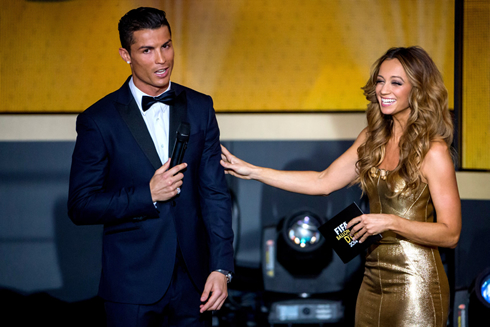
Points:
x=296 y=261
x=482 y=288
x=302 y=232
x=301 y=249
x=479 y=299
x=295 y=256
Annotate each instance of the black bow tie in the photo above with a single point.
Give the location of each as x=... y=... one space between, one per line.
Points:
x=167 y=98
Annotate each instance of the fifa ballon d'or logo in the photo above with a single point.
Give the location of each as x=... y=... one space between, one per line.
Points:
x=344 y=233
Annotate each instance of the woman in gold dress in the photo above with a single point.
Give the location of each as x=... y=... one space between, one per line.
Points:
x=402 y=161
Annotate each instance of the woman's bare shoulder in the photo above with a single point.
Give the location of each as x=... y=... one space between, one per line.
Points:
x=438 y=159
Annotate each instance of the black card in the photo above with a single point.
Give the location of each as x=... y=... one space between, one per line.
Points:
x=337 y=235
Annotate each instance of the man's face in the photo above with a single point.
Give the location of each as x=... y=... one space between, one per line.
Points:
x=151 y=59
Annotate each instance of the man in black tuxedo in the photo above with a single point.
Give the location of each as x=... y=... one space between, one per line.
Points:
x=167 y=242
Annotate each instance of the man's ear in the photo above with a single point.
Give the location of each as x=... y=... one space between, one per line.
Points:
x=125 y=55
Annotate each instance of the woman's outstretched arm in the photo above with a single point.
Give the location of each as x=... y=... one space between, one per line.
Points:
x=338 y=175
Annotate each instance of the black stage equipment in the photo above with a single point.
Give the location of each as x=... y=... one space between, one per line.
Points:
x=294 y=258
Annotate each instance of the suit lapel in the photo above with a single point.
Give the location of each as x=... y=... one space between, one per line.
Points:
x=132 y=117
x=178 y=113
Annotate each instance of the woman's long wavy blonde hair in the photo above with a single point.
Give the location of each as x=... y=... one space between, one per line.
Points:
x=429 y=119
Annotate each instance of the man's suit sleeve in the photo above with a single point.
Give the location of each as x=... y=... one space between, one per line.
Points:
x=91 y=200
x=215 y=198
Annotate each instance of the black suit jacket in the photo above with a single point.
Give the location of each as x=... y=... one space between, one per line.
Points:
x=113 y=161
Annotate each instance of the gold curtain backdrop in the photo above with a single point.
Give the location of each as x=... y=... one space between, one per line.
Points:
x=250 y=55
x=476 y=85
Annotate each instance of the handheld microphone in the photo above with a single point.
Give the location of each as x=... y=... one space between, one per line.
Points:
x=180 y=144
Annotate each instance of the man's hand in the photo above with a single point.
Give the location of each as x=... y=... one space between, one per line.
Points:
x=165 y=184
x=215 y=292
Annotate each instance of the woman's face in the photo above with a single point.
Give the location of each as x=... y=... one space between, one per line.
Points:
x=393 y=88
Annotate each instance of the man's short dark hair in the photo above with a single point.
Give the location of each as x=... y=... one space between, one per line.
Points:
x=139 y=19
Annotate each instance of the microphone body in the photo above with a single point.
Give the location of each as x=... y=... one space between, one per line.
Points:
x=180 y=144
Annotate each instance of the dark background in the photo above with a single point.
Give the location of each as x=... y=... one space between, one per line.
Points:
x=50 y=268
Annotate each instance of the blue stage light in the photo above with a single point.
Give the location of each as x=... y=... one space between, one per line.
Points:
x=485 y=290
x=479 y=299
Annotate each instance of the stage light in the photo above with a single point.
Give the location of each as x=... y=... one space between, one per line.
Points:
x=302 y=231
x=479 y=299
x=303 y=281
x=485 y=290
x=301 y=249
x=295 y=261
x=482 y=287
x=295 y=256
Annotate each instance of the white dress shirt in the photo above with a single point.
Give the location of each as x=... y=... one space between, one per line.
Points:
x=156 y=119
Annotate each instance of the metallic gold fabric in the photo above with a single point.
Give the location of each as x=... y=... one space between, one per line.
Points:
x=404 y=283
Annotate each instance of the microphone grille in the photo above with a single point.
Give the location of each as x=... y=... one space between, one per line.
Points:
x=184 y=129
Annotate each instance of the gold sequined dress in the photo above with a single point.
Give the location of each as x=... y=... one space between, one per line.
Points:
x=404 y=283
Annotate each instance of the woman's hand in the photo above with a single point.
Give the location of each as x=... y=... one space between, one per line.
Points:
x=369 y=224
x=234 y=166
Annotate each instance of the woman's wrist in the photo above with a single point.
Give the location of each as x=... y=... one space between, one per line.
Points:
x=394 y=223
x=255 y=172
